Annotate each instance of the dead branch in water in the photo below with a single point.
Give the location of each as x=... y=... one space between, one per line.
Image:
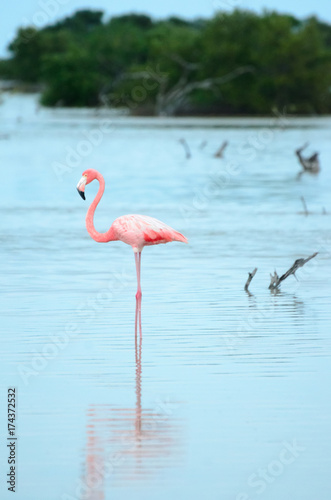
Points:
x=304 y=205
x=220 y=151
x=310 y=164
x=186 y=147
x=275 y=280
x=249 y=279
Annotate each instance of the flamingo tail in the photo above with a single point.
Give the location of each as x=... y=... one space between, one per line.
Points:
x=179 y=237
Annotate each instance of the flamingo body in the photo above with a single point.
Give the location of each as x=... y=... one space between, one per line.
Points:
x=141 y=230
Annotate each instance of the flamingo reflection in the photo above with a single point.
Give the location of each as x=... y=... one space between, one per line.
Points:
x=128 y=443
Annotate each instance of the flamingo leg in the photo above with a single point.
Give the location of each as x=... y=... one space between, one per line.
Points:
x=137 y=257
x=138 y=294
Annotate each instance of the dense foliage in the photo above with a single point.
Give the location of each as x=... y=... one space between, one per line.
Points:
x=237 y=62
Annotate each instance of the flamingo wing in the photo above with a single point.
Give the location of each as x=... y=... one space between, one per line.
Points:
x=142 y=230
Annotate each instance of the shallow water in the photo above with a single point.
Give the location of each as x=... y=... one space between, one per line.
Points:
x=228 y=394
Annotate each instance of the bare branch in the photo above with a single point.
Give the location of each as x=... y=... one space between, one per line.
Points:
x=310 y=164
x=186 y=147
x=249 y=279
x=221 y=149
x=275 y=281
x=299 y=150
x=181 y=90
x=168 y=101
x=185 y=64
x=304 y=205
x=211 y=82
x=230 y=76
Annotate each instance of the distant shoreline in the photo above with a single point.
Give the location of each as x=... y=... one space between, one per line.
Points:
x=35 y=90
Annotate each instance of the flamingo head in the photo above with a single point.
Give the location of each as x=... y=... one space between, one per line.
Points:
x=88 y=176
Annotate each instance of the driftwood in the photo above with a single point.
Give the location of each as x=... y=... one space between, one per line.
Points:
x=310 y=164
x=186 y=147
x=221 y=149
x=275 y=280
x=249 y=279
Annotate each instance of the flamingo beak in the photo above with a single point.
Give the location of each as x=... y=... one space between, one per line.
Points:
x=81 y=187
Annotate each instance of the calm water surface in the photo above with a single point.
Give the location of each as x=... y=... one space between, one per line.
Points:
x=227 y=397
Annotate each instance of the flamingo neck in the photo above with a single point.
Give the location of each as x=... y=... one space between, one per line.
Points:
x=99 y=237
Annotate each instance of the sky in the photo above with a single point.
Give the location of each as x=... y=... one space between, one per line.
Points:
x=42 y=12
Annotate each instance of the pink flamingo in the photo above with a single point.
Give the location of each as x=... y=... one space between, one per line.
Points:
x=135 y=230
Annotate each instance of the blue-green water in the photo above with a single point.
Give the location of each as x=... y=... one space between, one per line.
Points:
x=228 y=396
